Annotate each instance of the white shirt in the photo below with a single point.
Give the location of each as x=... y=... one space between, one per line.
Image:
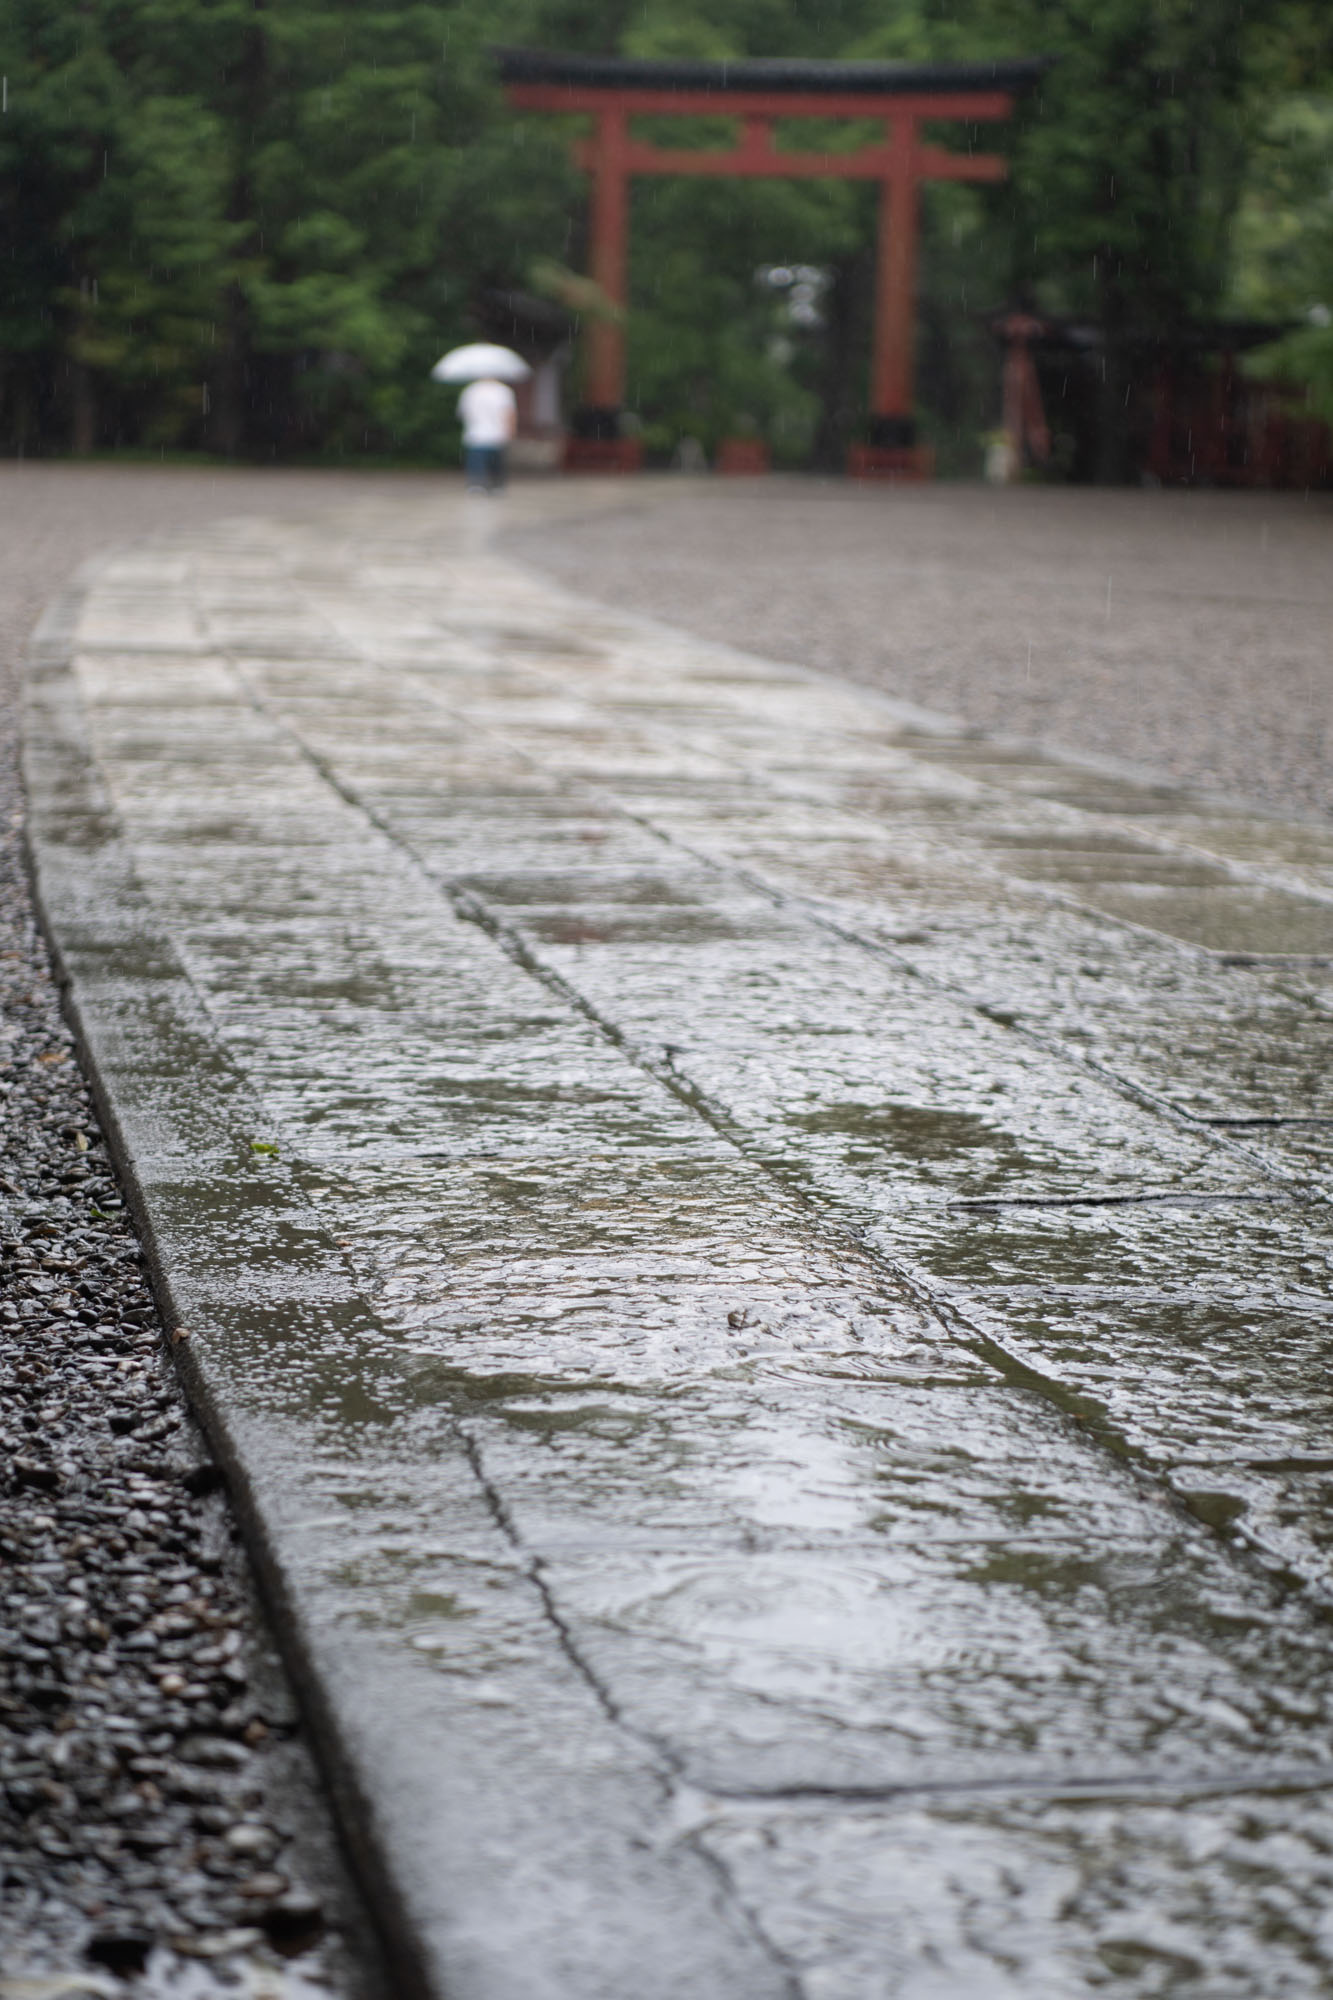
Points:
x=488 y=412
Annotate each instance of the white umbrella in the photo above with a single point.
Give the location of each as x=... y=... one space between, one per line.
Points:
x=469 y=364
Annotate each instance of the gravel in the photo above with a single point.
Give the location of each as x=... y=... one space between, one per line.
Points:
x=159 y=1816
x=1187 y=633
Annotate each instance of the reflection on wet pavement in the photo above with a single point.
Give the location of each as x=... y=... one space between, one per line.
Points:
x=841 y=1216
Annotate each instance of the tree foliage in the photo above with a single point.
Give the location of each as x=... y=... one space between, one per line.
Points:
x=1283 y=267
x=251 y=225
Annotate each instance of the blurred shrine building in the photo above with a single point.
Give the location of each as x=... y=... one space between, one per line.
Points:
x=1189 y=408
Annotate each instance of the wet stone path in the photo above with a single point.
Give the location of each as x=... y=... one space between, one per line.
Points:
x=760 y=1268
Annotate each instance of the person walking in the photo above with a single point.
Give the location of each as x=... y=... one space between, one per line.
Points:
x=489 y=416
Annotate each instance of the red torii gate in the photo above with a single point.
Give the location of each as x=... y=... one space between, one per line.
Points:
x=901 y=96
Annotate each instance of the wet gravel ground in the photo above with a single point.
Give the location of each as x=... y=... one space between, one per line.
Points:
x=160 y=1822
x=1187 y=633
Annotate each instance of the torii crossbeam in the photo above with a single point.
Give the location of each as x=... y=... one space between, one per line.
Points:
x=900 y=97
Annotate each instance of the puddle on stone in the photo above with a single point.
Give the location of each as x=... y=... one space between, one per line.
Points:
x=594 y=886
x=1236 y=1247
x=1146 y=869
x=1086 y=844
x=1227 y=919
x=914 y=1131
x=608 y=924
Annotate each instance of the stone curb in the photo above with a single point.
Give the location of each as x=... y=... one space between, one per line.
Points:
x=94 y=917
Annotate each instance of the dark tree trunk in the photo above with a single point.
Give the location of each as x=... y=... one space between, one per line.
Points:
x=232 y=430
x=1112 y=464
x=228 y=426
x=83 y=410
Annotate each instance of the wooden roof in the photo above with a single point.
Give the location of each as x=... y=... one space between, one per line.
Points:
x=768 y=75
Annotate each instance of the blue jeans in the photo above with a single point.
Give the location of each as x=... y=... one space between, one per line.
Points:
x=484 y=466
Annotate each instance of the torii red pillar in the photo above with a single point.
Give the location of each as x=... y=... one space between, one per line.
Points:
x=898 y=96
x=892 y=352
x=609 y=255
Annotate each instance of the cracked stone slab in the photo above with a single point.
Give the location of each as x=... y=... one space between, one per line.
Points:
x=302 y=1392
x=739 y=1426
x=1010 y=1896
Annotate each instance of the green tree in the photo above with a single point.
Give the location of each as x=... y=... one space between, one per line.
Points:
x=1283 y=266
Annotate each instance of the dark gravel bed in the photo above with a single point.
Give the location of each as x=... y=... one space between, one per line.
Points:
x=161 y=1829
